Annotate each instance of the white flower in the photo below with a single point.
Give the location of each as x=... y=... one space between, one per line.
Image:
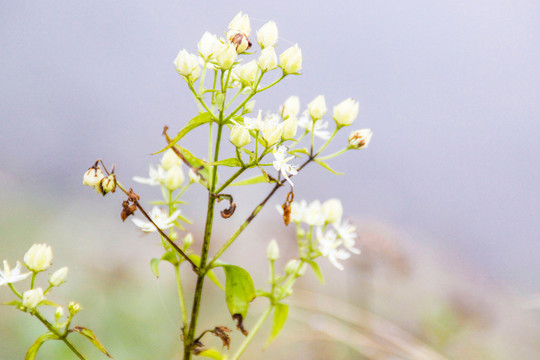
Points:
x=347 y=232
x=38 y=257
x=291 y=60
x=157 y=176
x=298 y=211
x=247 y=73
x=291 y=107
x=360 y=139
x=320 y=126
x=240 y=136
x=93 y=176
x=254 y=123
x=280 y=163
x=314 y=214
x=272 y=251
x=59 y=276
x=346 y=112
x=31 y=298
x=248 y=107
x=333 y=210
x=225 y=55
x=290 y=126
x=267 y=35
x=187 y=64
x=268 y=59
x=170 y=159
x=272 y=131
x=241 y=23
x=174 y=178
x=328 y=246
x=239 y=32
x=207 y=45
x=160 y=218
x=317 y=107
x=9 y=276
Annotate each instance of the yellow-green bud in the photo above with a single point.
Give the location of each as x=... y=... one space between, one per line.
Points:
x=247 y=73
x=268 y=59
x=290 y=126
x=170 y=159
x=271 y=133
x=38 y=257
x=250 y=105
x=58 y=277
x=291 y=60
x=291 y=107
x=226 y=55
x=187 y=240
x=174 y=178
x=333 y=210
x=187 y=64
x=346 y=112
x=32 y=298
x=267 y=35
x=272 y=251
x=317 y=107
x=73 y=308
x=58 y=313
x=240 y=136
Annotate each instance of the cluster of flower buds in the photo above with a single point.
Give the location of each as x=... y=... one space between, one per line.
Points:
x=169 y=173
x=102 y=184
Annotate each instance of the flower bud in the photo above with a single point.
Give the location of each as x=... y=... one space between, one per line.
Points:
x=106 y=185
x=360 y=139
x=239 y=40
x=38 y=257
x=58 y=313
x=93 y=176
x=272 y=251
x=291 y=107
x=240 y=136
x=267 y=35
x=333 y=210
x=187 y=240
x=289 y=128
x=187 y=64
x=225 y=56
x=346 y=112
x=291 y=266
x=268 y=59
x=170 y=159
x=317 y=107
x=271 y=133
x=207 y=45
x=73 y=308
x=291 y=60
x=248 y=107
x=193 y=176
x=174 y=178
x=247 y=73
x=240 y=22
x=32 y=298
x=58 y=277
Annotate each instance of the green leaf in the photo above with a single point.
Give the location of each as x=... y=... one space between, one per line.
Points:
x=231 y=162
x=89 y=334
x=317 y=271
x=170 y=256
x=326 y=166
x=32 y=351
x=254 y=180
x=239 y=290
x=48 y=302
x=154 y=265
x=210 y=353
x=299 y=151
x=198 y=120
x=12 y=302
x=281 y=312
x=197 y=261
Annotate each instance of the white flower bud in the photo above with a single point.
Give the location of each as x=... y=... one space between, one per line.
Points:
x=333 y=210
x=58 y=277
x=271 y=133
x=346 y=112
x=174 y=178
x=241 y=23
x=193 y=176
x=93 y=176
x=290 y=126
x=291 y=266
x=291 y=107
x=187 y=64
x=267 y=35
x=59 y=313
x=360 y=139
x=317 y=107
x=31 y=298
x=38 y=257
x=248 y=107
x=240 y=136
x=239 y=40
x=170 y=159
x=272 y=251
x=207 y=45
x=225 y=56
x=268 y=59
x=314 y=214
x=291 y=60
x=187 y=240
x=247 y=73
x=73 y=308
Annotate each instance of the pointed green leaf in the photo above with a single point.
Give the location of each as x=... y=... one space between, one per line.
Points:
x=32 y=351
x=231 y=162
x=281 y=312
x=254 y=180
x=12 y=302
x=299 y=151
x=89 y=334
x=211 y=354
x=48 y=302
x=154 y=265
x=197 y=261
x=317 y=271
x=239 y=290
x=198 y=120
x=170 y=256
x=326 y=166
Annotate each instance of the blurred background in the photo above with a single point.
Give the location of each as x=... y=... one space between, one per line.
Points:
x=446 y=198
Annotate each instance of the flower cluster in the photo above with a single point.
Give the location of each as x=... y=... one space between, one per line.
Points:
x=168 y=173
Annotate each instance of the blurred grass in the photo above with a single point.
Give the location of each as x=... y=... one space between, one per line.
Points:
x=395 y=301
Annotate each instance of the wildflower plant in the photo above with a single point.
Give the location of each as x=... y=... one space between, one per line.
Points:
x=224 y=76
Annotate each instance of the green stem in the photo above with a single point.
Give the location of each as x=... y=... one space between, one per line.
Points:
x=272 y=84
x=334 y=154
x=61 y=337
x=33 y=281
x=14 y=290
x=233 y=98
x=327 y=142
x=231 y=179
x=199 y=98
x=181 y=299
x=252 y=333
